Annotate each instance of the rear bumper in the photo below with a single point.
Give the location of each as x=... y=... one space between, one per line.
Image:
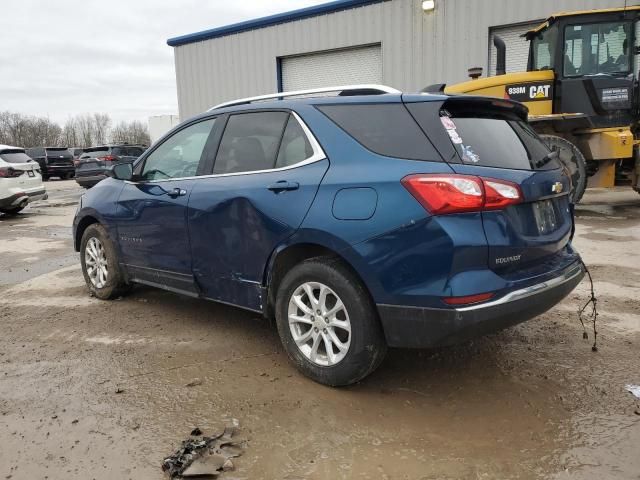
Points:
x=417 y=327
x=89 y=180
x=20 y=198
x=54 y=170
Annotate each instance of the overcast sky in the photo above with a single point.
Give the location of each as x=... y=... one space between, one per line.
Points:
x=64 y=57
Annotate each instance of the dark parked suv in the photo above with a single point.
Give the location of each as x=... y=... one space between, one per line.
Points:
x=95 y=161
x=53 y=161
x=359 y=221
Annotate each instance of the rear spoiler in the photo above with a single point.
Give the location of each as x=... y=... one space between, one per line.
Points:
x=489 y=103
x=435 y=88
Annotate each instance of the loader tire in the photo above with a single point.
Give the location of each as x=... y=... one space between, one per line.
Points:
x=573 y=160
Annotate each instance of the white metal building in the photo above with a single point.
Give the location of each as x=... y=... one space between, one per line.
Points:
x=393 y=42
x=161 y=124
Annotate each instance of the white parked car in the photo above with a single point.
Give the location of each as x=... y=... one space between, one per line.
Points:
x=20 y=180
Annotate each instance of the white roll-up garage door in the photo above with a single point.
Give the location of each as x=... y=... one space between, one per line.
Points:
x=517 y=46
x=337 y=67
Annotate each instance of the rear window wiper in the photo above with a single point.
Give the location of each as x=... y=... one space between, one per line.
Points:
x=546 y=159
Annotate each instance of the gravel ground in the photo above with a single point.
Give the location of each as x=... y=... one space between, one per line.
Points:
x=92 y=389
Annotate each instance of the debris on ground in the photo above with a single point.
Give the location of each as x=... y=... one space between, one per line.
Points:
x=204 y=456
x=194 y=383
x=592 y=315
x=633 y=389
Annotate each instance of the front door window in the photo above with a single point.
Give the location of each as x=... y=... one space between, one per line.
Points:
x=179 y=155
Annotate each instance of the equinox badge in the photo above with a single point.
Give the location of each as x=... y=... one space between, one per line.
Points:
x=557 y=187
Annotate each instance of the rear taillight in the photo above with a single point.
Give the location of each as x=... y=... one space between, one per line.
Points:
x=10 y=172
x=108 y=158
x=451 y=193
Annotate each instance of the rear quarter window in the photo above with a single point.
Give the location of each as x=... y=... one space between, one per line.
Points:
x=385 y=128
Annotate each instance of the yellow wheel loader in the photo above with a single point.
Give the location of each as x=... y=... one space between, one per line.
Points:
x=581 y=88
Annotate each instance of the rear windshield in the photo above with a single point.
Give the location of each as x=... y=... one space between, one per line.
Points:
x=95 y=152
x=497 y=142
x=135 y=151
x=486 y=135
x=15 y=156
x=384 y=128
x=59 y=152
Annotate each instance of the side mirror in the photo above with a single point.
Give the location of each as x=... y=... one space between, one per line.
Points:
x=122 y=171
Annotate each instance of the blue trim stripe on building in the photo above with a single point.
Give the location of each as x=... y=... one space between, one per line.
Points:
x=322 y=9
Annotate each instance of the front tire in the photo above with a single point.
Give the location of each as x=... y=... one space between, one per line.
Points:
x=328 y=323
x=100 y=266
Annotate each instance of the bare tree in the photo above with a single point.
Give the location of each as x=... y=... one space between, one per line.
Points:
x=101 y=124
x=70 y=134
x=84 y=130
x=130 y=132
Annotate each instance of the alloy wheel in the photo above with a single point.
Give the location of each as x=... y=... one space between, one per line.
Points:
x=95 y=260
x=319 y=324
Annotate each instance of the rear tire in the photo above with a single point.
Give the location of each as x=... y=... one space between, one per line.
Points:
x=100 y=266
x=348 y=341
x=573 y=160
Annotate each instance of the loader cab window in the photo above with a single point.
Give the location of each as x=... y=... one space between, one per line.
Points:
x=543 y=48
x=597 y=48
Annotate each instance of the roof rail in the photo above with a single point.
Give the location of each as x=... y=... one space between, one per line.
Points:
x=369 y=89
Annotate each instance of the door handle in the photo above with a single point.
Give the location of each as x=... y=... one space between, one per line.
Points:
x=177 y=192
x=283 y=185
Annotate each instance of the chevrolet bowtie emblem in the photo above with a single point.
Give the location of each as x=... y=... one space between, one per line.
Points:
x=557 y=187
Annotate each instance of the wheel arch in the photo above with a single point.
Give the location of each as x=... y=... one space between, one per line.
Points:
x=83 y=224
x=286 y=256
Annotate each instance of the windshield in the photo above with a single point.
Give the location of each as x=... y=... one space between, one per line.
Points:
x=598 y=48
x=543 y=49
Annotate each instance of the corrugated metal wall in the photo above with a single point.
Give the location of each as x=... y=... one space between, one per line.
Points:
x=517 y=47
x=418 y=48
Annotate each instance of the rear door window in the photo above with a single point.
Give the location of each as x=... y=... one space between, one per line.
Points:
x=250 y=142
x=384 y=128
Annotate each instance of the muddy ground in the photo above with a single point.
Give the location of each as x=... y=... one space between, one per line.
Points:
x=530 y=402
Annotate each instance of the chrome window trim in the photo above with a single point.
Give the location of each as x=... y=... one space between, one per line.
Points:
x=318 y=154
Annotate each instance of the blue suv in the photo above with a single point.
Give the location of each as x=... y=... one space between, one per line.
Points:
x=359 y=220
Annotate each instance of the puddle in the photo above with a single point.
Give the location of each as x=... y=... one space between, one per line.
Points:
x=607 y=447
